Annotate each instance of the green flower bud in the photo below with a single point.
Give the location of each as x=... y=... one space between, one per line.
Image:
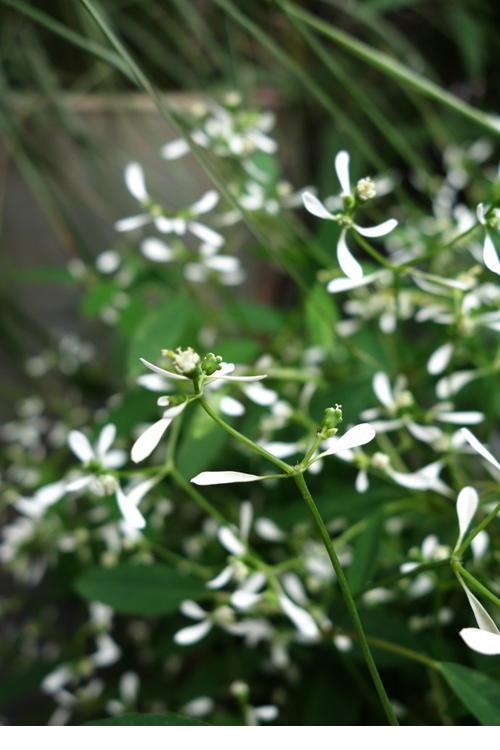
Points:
x=211 y=363
x=332 y=416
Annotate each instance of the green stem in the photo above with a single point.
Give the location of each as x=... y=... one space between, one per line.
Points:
x=348 y=598
x=374 y=253
x=475 y=531
x=243 y=439
x=403 y=651
x=478 y=587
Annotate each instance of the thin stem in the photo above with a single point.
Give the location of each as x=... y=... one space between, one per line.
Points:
x=243 y=439
x=348 y=598
x=403 y=651
x=478 y=587
x=374 y=253
x=475 y=531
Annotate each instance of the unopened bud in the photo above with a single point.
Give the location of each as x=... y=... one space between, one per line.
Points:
x=211 y=363
x=332 y=417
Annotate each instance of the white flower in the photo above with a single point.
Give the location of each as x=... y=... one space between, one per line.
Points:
x=347 y=262
x=490 y=256
x=179 y=222
x=95 y=460
x=227 y=131
x=235 y=541
x=222 y=616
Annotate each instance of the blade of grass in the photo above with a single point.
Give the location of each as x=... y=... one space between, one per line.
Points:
x=394 y=69
x=71 y=36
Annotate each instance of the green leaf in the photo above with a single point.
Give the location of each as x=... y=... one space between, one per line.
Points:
x=478 y=692
x=146 y=720
x=365 y=552
x=161 y=329
x=138 y=589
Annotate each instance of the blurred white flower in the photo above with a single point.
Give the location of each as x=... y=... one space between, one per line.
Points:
x=171 y=222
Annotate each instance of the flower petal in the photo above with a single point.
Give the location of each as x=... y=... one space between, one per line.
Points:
x=244 y=599
x=479 y=447
x=206 y=234
x=79 y=483
x=223 y=477
x=362 y=482
x=156 y=250
x=79 y=444
x=161 y=371
x=105 y=440
x=261 y=395
x=230 y=541
x=231 y=406
x=134 y=180
x=221 y=579
x=193 y=633
x=246 y=517
x=467 y=502
x=175 y=149
x=343 y=284
x=131 y=514
x=300 y=618
x=153 y=382
x=315 y=206
x=353 y=438
x=379 y=230
x=382 y=389
x=136 y=493
x=205 y=204
x=342 y=170
x=192 y=609
x=238 y=378
x=490 y=256
x=346 y=259
x=483 y=619
x=147 y=442
x=481 y=641
x=460 y=417
x=481 y=213
x=132 y=222
x=440 y=359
